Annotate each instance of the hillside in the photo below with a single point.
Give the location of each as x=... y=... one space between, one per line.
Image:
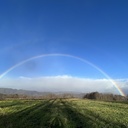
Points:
x=21 y=92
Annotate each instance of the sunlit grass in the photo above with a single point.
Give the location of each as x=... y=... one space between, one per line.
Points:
x=63 y=113
x=109 y=111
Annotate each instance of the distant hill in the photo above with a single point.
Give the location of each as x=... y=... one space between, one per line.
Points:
x=21 y=92
x=36 y=93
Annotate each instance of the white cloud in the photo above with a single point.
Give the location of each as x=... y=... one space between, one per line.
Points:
x=64 y=83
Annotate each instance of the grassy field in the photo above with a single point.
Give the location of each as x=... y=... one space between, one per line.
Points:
x=63 y=113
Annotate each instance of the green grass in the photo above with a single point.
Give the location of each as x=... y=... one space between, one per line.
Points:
x=62 y=113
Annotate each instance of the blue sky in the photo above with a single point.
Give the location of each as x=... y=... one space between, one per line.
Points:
x=95 y=30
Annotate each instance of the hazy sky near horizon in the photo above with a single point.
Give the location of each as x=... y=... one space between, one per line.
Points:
x=95 y=30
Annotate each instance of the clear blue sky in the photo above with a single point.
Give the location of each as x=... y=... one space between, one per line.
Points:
x=95 y=30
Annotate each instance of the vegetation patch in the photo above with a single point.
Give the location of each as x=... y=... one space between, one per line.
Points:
x=63 y=113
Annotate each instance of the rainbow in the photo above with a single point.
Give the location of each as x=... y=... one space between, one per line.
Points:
x=65 y=55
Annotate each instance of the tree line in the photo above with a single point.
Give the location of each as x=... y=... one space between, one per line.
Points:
x=47 y=96
x=105 y=96
x=92 y=95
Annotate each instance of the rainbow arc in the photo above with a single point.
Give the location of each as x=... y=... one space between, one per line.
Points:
x=66 y=55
